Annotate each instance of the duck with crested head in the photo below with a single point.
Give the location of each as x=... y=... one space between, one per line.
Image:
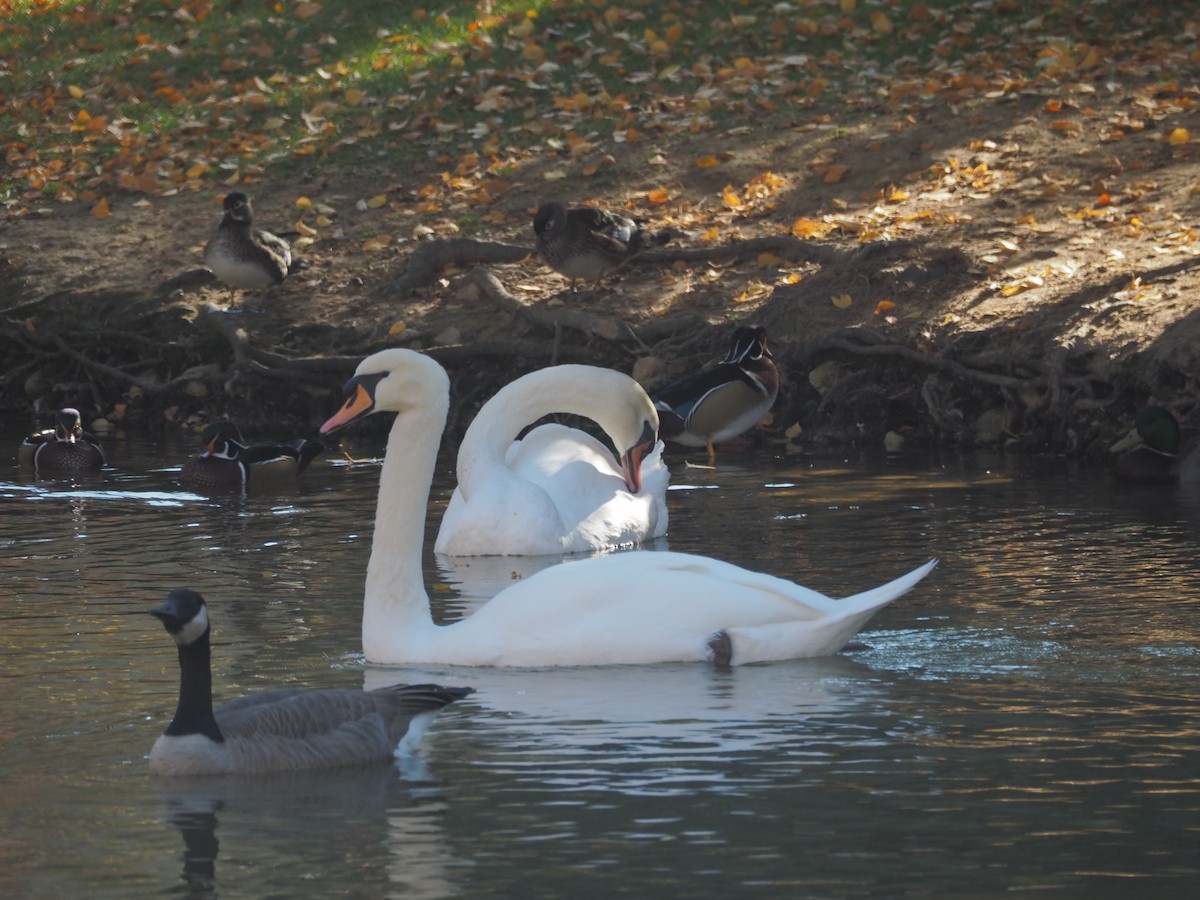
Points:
x=723 y=401
x=63 y=450
x=1151 y=453
x=242 y=256
x=588 y=243
x=283 y=730
x=228 y=463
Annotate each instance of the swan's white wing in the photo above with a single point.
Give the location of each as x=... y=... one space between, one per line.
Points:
x=648 y=607
x=562 y=493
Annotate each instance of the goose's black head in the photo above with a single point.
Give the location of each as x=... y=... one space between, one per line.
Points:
x=184 y=615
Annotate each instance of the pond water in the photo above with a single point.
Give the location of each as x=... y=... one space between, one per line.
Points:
x=1025 y=720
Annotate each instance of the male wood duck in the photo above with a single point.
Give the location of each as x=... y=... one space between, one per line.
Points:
x=243 y=256
x=64 y=449
x=589 y=243
x=1150 y=452
x=228 y=463
x=723 y=401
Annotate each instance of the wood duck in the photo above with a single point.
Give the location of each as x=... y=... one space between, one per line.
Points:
x=243 y=256
x=1150 y=452
x=64 y=449
x=589 y=243
x=724 y=401
x=282 y=730
x=228 y=463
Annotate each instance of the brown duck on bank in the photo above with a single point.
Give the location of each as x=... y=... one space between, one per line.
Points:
x=284 y=730
x=1151 y=452
x=587 y=243
x=228 y=463
x=724 y=401
x=65 y=449
x=242 y=256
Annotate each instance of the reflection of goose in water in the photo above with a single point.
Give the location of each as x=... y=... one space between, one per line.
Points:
x=284 y=823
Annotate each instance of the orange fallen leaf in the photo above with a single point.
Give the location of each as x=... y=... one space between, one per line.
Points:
x=1179 y=136
x=101 y=210
x=306 y=10
x=769 y=260
x=883 y=306
x=658 y=196
x=806 y=228
x=835 y=173
x=396 y=328
x=376 y=243
x=707 y=162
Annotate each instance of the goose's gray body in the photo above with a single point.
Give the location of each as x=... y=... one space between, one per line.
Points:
x=283 y=730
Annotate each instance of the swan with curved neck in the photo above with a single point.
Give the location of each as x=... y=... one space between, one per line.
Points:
x=637 y=607
x=558 y=489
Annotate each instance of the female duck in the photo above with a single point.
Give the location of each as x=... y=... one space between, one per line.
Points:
x=228 y=463
x=64 y=450
x=635 y=607
x=243 y=256
x=558 y=489
x=283 y=730
x=589 y=243
x=722 y=402
x=1150 y=452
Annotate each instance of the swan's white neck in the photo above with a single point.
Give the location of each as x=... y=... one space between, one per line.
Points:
x=396 y=606
x=587 y=391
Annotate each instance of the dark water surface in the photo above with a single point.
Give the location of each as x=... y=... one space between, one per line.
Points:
x=1025 y=721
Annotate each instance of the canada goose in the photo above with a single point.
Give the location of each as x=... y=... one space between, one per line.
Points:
x=243 y=256
x=589 y=243
x=722 y=402
x=283 y=730
x=558 y=489
x=65 y=449
x=227 y=462
x=637 y=607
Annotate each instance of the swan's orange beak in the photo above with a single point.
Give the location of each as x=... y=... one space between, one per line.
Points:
x=631 y=461
x=358 y=404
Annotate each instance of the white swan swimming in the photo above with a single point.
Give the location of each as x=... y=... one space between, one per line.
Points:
x=558 y=489
x=636 y=607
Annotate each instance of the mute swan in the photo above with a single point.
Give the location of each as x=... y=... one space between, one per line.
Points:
x=65 y=449
x=558 y=489
x=722 y=402
x=638 y=607
x=284 y=730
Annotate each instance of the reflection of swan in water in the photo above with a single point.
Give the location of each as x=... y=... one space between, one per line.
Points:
x=623 y=711
x=284 y=822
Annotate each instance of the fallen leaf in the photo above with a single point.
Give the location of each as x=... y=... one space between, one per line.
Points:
x=842 y=301
x=100 y=210
x=306 y=10
x=658 y=196
x=377 y=201
x=835 y=173
x=1179 y=136
x=397 y=328
x=883 y=306
x=707 y=162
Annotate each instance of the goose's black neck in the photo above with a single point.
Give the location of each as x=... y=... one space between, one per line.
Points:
x=194 y=715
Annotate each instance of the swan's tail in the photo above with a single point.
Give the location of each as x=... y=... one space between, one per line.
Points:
x=826 y=635
x=884 y=594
